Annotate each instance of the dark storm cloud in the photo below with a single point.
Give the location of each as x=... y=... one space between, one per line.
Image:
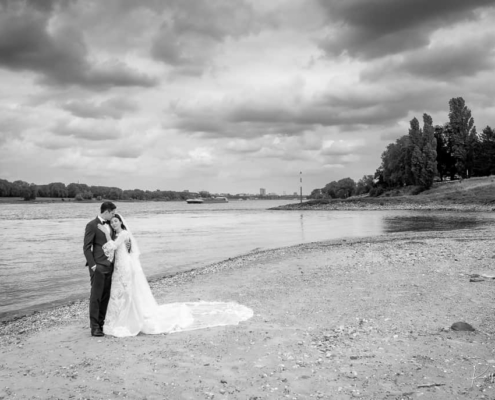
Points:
x=374 y=28
x=59 y=55
x=247 y=121
x=188 y=37
x=452 y=62
x=113 y=108
x=372 y=106
x=444 y=63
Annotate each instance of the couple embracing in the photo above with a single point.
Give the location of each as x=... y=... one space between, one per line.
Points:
x=121 y=302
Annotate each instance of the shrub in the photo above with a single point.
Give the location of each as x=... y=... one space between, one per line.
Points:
x=417 y=190
x=376 y=191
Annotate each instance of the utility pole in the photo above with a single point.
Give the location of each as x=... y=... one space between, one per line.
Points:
x=300 y=181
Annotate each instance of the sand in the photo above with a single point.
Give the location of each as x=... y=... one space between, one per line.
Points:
x=349 y=319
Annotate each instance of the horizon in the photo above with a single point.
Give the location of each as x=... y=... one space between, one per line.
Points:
x=268 y=193
x=213 y=94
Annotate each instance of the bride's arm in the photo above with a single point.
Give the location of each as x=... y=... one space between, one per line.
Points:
x=114 y=244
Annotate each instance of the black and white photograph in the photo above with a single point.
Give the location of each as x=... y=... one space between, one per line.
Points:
x=247 y=199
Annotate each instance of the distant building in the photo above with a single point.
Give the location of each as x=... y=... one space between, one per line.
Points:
x=295 y=193
x=262 y=192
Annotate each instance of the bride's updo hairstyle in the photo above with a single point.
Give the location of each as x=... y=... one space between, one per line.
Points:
x=120 y=219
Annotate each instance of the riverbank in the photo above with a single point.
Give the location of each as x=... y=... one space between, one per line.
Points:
x=364 y=318
x=474 y=194
x=388 y=204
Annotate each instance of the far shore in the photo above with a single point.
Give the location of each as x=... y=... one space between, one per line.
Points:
x=344 y=319
x=387 y=205
x=41 y=200
x=353 y=204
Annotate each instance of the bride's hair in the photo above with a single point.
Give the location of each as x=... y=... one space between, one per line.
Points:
x=120 y=219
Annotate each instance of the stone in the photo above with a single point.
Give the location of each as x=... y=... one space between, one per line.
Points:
x=462 y=326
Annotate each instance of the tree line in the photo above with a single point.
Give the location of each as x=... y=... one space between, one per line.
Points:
x=81 y=191
x=427 y=153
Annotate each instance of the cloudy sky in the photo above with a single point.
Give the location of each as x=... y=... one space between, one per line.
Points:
x=230 y=95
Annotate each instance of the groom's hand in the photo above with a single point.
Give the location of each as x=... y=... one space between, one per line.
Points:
x=128 y=244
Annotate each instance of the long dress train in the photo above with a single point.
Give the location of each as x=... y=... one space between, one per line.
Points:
x=133 y=309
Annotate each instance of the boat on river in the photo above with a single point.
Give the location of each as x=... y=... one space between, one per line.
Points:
x=200 y=200
x=194 y=201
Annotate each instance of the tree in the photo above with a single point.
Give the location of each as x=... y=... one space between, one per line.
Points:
x=58 y=189
x=346 y=188
x=5 y=188
x=415 y=152
x=30 y=192
x=87 y=195
x=464 y=136
x=484 y=164
x=341 y=189
x=365 y=184
x=316 y=194
x=396 y=165
x=445 y=161
x=76 y=188
x=422 y=152
x=330 y=190
x=19 y=188
x=115 y=193
x=43 y=191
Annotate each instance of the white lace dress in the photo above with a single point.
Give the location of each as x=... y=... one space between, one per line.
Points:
x=133 y=309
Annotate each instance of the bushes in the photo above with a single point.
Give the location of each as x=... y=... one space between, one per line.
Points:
x=414 y=190
x=377 y=191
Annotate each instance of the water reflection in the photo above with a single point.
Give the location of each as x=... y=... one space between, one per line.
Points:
x=301 y=220
x=434 y=222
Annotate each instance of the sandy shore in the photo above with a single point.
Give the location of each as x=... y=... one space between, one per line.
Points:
x=367 y=318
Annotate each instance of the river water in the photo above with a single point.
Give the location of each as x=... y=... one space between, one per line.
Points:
x=42 y=263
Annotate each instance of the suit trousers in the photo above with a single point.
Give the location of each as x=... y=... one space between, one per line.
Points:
x=101 y=282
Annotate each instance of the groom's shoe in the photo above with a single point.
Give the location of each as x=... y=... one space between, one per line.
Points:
x=97 y=332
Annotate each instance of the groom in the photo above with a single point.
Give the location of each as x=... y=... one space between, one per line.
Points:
x=100 y=268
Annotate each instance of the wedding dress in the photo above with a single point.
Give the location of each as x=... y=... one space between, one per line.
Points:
x=133 y=309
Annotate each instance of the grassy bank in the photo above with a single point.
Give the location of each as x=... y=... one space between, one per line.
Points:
x=475 y=194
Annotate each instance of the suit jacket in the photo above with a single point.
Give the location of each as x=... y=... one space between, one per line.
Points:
x=94 y=239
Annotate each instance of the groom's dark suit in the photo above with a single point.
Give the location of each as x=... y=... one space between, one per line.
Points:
x=101 y=278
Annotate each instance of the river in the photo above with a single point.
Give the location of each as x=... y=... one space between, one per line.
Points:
x=42 y=263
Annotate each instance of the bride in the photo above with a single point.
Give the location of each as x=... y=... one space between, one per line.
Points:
x=133 y=309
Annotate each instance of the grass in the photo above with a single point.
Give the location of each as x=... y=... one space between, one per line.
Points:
x=468 y=191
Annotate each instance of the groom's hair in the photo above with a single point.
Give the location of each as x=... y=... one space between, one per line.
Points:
x=107 y=206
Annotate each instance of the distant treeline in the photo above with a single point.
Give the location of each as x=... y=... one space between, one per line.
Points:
x=81 y=191
x=450 y=151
